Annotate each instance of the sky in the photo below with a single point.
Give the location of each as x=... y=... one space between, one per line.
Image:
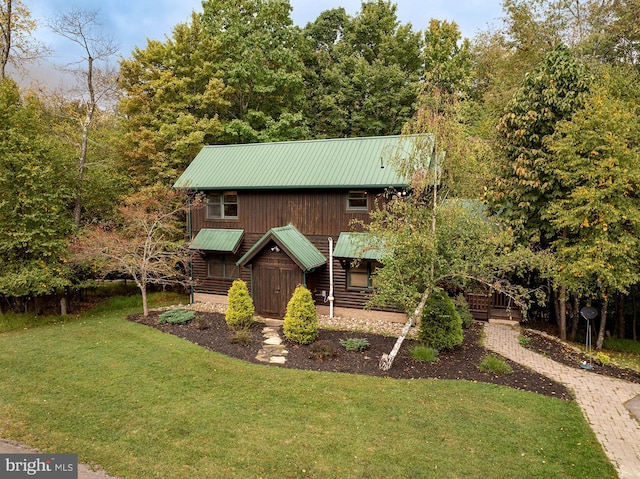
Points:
x=131 y=22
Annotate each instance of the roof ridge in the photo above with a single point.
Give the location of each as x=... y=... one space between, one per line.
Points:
x=314 y=140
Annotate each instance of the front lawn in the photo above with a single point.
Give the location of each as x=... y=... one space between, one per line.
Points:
x=144 y=404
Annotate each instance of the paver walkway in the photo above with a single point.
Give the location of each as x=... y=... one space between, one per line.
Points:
x=602 y=399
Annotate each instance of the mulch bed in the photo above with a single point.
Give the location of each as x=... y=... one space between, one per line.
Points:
x=572 y=357
x=458 y=363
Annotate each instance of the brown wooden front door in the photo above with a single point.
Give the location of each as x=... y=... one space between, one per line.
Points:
x=273 y=287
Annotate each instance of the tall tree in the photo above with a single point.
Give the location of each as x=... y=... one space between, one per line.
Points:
x=173 y=103
x=366 y=71
x=448 y=61
x=526 y=183
x=261 y=66
x=36 y=190
x=80 y=27
x=597 y=158
x=16 y=44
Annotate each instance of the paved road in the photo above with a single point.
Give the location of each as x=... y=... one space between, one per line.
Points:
x=606 y=402
x=7 y=447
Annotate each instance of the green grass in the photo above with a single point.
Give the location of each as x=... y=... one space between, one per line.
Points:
x=143 y=404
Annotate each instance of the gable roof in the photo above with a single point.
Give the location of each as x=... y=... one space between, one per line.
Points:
x=294 y=244
x=335 y=163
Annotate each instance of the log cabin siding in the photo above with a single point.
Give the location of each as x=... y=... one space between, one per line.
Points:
x=269 y=206
x=312 y=212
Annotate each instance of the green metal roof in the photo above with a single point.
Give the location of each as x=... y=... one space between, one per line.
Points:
x=293 y=243
x=355 y=246
x=341 y=163
x=227 y=241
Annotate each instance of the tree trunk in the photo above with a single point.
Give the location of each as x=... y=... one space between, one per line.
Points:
x=386 y=361
x=620 y=326
x=145 y=306
x=575 y=318
x=603 y=324
x=635 y=313
x=6 y=40
x=562 y=312
x=555 y=306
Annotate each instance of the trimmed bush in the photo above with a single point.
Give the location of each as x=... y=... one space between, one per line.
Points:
x=176 y=316
x=239 y=314
x=440 y=324
x=354 y=344
x=463 y=310
x=301 y=321
x=422 y=353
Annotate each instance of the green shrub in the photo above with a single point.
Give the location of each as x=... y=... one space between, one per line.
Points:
x=354 y=344
x=176 y=316
x=602 y=359
x=524 y=341
x=495 y=365
x=323 y=350
x=239 y=314
x=301 y=320
x=422 y=353
x=463 y=310
x=440 y=324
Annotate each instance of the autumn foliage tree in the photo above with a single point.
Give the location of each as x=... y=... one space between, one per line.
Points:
x=146 y=244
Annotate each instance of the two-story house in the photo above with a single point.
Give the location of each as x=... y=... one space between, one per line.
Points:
x=281 y=214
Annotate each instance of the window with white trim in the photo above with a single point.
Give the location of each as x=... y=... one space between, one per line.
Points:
x=223 y=267
x=222 y=204
x=357 y=200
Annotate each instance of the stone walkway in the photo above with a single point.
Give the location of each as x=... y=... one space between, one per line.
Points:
x=607 y=403
x=273 y=351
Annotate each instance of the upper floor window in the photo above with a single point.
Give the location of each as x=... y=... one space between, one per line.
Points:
x=357 y=200
x=222 y=205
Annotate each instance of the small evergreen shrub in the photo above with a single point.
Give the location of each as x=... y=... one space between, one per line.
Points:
x=354 y=344
x=422 y=353
x=602 y=359
x=323 y=350
x=301 y=320
x=176 y=316
x=495 y=365
x=239 y=314
x=440 y=324
x=463 y=310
